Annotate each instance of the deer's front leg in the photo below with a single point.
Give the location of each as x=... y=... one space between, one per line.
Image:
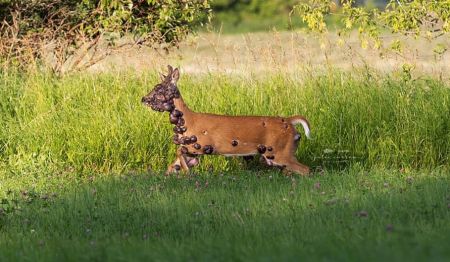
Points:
x=183 y=162
x=179 y=163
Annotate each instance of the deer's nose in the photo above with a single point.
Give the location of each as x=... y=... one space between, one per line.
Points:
x=143 y=99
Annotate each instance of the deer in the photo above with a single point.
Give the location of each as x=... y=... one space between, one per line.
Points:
x=274 y=138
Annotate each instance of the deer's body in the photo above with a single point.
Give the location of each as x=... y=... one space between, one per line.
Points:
x=274 y=138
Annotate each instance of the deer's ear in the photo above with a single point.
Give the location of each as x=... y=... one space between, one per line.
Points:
x=162 y=76
x=170 y=68
x=175 y=76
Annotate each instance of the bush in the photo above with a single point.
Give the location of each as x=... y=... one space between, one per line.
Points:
x=416 y=18
x=29 y=29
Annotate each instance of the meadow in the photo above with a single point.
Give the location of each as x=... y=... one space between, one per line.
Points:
x=341 y=216
x=82 y=162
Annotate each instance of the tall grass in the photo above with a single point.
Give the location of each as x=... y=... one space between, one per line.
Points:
x=96 y=122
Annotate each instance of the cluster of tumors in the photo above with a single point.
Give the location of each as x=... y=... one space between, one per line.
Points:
x=163 y=101
x=176 y=118
x=262 y=150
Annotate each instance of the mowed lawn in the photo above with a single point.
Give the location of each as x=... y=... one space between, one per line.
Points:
x=255 y=215
x=81 y=163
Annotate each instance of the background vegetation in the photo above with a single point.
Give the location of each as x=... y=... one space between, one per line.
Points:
x=73 y=35
x=81 y=159
x=234 y=16
x=97 y=122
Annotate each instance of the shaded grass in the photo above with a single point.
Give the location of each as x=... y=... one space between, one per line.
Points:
x=96 y=122
x=352 y=215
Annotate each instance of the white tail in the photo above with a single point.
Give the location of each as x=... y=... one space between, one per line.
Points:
x=301 y=120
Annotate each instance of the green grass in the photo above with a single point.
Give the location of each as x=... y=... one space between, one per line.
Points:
x=81 y=162
x=96 y=122
x=352 y=215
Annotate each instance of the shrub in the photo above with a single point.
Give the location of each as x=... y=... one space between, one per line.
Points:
x=73 y=34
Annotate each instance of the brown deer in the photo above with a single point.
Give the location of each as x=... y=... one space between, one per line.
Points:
x=274 y=138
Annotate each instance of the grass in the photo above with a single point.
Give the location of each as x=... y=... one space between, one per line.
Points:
x=353 y=215
x=81 y=158
x=96 y=122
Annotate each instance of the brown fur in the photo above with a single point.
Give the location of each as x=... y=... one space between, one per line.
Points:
x=236 y=135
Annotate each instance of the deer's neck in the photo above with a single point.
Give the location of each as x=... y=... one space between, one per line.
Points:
x=180 y=117
x=181 y=105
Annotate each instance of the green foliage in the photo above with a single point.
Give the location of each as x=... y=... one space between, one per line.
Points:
x=233 y=16
x=313 y=14
x=166 y=21
x=28 y=26
x=254 y=15
x=261 y=7
x=418 y=18
x=98 y=123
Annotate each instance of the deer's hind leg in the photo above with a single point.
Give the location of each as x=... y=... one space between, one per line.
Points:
x=288 y=163
x=293 y=165
x=285 y=158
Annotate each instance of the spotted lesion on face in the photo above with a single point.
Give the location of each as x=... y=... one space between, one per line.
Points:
x=161 y=97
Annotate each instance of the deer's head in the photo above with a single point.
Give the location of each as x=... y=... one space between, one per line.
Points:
x=161 y=97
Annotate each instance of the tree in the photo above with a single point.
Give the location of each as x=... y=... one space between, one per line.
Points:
x=429 y=19
x=74 y=34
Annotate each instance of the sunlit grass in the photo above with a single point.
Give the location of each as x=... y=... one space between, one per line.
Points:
x=96 y=122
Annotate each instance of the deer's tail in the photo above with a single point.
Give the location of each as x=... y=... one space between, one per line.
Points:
x=295 y=120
